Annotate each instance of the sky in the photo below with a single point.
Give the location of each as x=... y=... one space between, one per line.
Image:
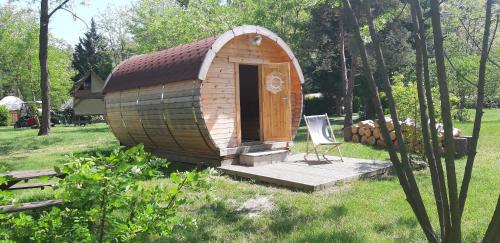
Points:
x=64 y=26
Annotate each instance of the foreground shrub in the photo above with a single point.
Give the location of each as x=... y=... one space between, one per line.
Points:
x=120 y=197
x=4 y=116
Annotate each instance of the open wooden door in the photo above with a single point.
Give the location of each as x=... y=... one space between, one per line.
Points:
x=275 y=102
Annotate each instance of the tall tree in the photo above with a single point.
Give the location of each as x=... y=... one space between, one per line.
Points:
x=45 y=16
x=450 y=222
x=404 y=173
x=91 y=54
x=114 y=25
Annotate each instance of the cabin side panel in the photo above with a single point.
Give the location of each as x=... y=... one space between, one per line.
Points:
x=165 y=118
x=296 y=100
x=181 y=111
x=132 y=119
x=150 y=107
x=114 y=119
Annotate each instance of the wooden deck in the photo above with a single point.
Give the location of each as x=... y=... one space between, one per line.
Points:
x=310 y=175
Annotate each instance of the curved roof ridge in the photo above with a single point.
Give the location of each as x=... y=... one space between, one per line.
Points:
x=183 y=62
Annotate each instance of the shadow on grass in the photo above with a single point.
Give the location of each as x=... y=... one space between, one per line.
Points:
x=330 y=236
x=104 y=129
x=395 y=226
x=27 y=143
x=287 y=218
x=208 y=217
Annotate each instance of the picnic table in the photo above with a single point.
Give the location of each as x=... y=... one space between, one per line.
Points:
x=14 y=177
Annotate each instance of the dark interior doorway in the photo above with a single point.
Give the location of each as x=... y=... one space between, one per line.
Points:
x=249 y=103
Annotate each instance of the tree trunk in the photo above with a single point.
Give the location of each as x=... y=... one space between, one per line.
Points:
x=432 y=121
x=412 y=197
x=44 y=70
x=348 y=98
x=493 y=232
x=455 y=233
x=471 y=155
x=428 y=149
x=342 y=93
x=421 y=210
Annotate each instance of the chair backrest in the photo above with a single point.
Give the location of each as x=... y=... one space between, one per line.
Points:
x=319 y=129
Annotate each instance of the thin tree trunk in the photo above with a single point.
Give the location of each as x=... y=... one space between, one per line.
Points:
x=455 y=233
x=402 y=176
x=471 y=155
x=348 y=98
x=397 y=127
x=493 y=232
x=432 y=122
x=44 y=70
x=428 y=149
x=341 y=99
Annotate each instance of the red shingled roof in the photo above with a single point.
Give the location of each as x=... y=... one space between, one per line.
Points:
x=174 y=64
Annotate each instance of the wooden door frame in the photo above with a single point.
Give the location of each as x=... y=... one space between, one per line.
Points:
x=244 y=61
x=238 y=104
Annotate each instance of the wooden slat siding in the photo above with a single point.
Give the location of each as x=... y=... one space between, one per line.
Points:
x=218 y=101
x=165 y=118
x=132 y=118
x=202 y=126
x=296 y=100
x=151 y=111
x=113 y=116
x=180 y=114
x=218 y=91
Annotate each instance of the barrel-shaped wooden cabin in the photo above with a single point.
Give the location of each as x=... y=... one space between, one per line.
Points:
x=208 y=101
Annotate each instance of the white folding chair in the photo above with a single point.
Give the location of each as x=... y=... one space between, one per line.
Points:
x=320 y=132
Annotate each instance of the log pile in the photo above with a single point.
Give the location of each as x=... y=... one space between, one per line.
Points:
x=368 y=132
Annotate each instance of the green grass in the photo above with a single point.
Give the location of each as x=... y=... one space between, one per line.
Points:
x=370 y=210
x=22 y=149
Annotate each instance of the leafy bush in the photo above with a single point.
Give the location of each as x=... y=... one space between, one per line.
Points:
x=120 y=197
x=4 y=116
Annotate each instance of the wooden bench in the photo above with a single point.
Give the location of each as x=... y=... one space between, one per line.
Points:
x=30 y=206
x=14 y=177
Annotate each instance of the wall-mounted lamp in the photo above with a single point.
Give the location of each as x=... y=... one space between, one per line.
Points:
x=257 y=40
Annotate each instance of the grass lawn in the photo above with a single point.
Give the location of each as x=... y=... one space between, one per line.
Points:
x=372 y=210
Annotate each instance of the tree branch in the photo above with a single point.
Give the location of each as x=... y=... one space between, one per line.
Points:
x=75 y=16
x=471 y=153
x=476 y=44
x=494 y=35
x=58 y=7
x=458 y=71
x=400 y=12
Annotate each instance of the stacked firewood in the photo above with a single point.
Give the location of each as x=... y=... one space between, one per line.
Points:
x=368 y=132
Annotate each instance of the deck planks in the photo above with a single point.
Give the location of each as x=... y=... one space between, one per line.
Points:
x=310 y=176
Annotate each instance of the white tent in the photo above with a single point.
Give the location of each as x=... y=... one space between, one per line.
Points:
x=12 y=103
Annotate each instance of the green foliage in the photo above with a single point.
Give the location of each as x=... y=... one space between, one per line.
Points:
x=4 y=116
x=91 y=53
x=106 y=198
x=406 y=99
x=19 y=69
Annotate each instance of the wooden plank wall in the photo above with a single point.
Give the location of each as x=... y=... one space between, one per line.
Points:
x=164 y=118
x=218 y=91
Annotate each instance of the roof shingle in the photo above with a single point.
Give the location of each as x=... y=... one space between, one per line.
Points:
x=174 y=64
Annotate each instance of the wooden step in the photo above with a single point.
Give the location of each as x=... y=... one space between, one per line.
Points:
x=263 y=157
x=30 y=206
